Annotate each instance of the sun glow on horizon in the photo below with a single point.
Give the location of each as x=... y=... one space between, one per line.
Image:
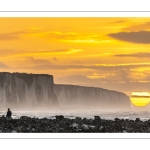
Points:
x=140 y=98
x=140 y=94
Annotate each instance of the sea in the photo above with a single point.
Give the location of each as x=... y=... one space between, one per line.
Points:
x=131 y=115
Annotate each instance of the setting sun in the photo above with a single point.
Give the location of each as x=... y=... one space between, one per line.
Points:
x=140 y=98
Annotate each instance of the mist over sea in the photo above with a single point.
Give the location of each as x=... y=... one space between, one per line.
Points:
x=109 y=115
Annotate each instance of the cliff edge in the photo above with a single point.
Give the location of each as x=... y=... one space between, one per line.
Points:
x=90 y=97
x=22 y=90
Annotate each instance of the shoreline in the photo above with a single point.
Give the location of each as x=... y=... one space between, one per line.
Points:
x=78 y=125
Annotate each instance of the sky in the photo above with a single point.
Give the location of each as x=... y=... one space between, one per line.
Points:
x=111 y=53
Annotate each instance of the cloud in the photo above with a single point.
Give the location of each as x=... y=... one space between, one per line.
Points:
x=80 y=80
x=65 y=28
x=114 y=75
x=96 y=75
x=61 y=51
x=138 y=55
x=74 y=37
x=55 y=59
x=53 y=51
x=102 y=67
x=117 y=85
x=120 y=80
x=121 y=84
x=2 y=65
x=16 y=35
x=9 y=36
x=37 y=61
x=138 y=27
x=119 y=21
x=140 y=37
x=55 y=36
x=6 y=52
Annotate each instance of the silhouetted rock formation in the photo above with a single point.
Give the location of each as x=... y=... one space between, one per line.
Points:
x=21 y=90
x=77 y=125
x=90 y=97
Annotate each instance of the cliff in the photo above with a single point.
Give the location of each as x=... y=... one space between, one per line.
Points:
x=21 y=90
x=90 y=97
x=29 y=91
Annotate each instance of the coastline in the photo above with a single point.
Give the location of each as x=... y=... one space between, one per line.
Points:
x=61 y=124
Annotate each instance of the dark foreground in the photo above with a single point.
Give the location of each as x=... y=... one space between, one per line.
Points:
x=64 y=125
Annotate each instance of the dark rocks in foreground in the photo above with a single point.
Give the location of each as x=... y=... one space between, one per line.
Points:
x=78 y=125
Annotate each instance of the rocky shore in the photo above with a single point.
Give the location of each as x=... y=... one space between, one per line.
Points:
x=78 y=125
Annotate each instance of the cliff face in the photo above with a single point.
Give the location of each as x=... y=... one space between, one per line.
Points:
x=26 y=90
x=90 y=97
x=29 y=91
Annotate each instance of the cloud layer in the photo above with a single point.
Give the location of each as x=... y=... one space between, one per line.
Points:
x=2 y=65
x=140 y=37
x=76 y=37
x=138 y=27
x=37 y=61
x=138 y=55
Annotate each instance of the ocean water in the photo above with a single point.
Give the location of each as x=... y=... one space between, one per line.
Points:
x=132 y=115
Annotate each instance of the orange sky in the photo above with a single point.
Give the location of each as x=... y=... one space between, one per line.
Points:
x=111 y=53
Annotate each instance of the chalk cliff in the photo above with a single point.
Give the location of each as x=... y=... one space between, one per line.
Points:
x=29 y=91
x=90 y=97
x=21 y=90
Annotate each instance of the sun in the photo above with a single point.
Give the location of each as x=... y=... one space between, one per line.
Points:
x=140 y=98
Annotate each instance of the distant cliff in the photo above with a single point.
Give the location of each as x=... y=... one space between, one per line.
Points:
x=21 y=90
x=90 y=97
x=29 y=91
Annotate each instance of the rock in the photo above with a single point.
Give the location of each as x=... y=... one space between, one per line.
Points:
x=137 y=119
x=14 y=131
x=127 y=120
x=92 y=127
x=25 y=118
x=85 y=127
x=117 y=119
x=59 y=117
x=148 y=130
x=78 y=118
x=65 y=125
x=33 y=129
x=74 y=125
x=84 y=119
x=97 y=118
x=124 y=131
x=148 y=122
x=8 y=118
x=103 y=129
